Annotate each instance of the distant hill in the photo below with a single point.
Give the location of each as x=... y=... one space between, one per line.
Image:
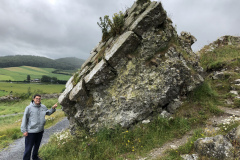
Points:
x=71 y=60
x=68 y=63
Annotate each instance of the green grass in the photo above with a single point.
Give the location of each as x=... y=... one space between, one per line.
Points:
x=3 y=93
x=20 y=73
x=9 y=119
x=19 y=106
x=226 y=56
x=118 y=143
x=21 y=88
x=203 y=93
x=223 y=87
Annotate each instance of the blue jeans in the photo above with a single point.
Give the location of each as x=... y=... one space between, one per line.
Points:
x=33 y=140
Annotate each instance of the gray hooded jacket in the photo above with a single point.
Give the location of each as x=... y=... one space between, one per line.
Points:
x=34 y=118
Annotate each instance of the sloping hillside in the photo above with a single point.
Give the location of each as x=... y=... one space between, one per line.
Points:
x=36 y=61
x=221 y=61
x=21 y=73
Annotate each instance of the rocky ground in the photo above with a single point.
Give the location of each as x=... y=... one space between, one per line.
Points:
x=211 y=126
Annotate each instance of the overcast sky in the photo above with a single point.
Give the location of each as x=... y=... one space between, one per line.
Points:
x=68 y=28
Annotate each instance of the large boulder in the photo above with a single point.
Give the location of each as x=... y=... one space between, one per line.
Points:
x=134 y=76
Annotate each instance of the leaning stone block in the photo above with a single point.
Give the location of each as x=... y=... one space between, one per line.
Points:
x=69 y=82
x=100 y=73
x=125 y=44
x=134 y=7
x=63 y=98
x=93 y=54
x=100 y=45
x=78 y=90
x=134 y=12
x=154 y=15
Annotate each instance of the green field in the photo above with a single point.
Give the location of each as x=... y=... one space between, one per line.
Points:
x=20 y=73
x=20 y=88
x=10 y=125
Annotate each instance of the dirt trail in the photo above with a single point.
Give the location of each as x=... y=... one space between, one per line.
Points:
x=212 y=123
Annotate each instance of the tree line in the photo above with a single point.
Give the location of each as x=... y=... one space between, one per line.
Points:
x=46 y=79
x=69 y=63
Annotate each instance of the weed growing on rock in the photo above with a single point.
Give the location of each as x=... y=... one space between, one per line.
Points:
x=111 y=28
x=116 y=24
x=104 y=25
x=76 y=78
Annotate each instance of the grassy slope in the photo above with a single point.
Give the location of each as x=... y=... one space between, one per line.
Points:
x=224 y=58
x=220 y=58
x=20 y=73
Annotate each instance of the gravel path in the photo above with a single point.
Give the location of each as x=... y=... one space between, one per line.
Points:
x=16 y=149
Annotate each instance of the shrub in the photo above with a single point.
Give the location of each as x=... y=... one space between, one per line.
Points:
x=104 y=25
x=115 y=25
